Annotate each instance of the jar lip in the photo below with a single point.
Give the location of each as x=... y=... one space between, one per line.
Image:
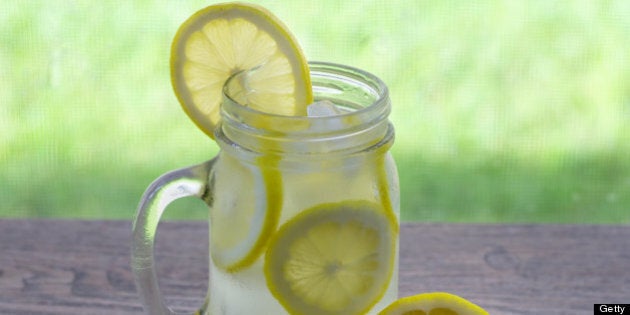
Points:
x=378 y=109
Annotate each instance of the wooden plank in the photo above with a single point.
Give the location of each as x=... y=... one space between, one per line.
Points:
x=525 y=269
x=82 y=267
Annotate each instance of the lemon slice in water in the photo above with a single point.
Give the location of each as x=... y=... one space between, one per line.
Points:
x=224 y=39
x=245 y=212
x=335 y=258
x=433 y=303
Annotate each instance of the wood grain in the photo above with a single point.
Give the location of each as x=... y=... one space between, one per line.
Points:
x=82 y=267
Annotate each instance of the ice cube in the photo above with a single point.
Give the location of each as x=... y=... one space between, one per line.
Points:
x=322 y=108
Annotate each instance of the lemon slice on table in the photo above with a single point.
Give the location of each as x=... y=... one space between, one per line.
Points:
x=332 y=259
x=245 y=212
x=433 y=303
x=225 y=39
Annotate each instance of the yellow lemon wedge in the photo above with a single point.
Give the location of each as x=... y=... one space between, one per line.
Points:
x=224 y=39
x=433 y=303
x=332 y=259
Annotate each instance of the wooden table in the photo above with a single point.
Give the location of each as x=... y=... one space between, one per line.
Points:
x=82 y=267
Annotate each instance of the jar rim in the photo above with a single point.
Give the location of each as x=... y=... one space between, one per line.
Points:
x=363 y=96
x=378 y=108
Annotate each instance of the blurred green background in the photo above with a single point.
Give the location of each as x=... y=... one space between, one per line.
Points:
x=506 y=111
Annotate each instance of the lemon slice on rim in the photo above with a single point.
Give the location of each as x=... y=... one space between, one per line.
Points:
x=433 y=303
x=224 y=39
x=332 y=259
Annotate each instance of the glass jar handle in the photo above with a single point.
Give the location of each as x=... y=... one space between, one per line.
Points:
x=189 y=181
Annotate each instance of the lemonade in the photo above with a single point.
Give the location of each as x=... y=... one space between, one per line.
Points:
x=305 y=186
